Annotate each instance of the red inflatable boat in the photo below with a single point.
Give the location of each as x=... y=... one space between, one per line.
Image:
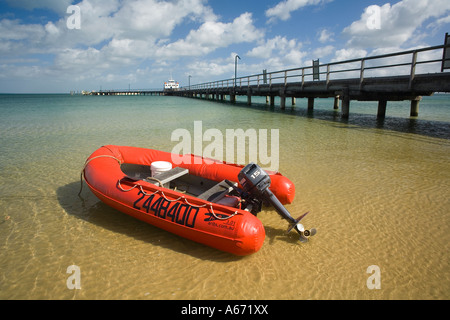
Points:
x=199 y=199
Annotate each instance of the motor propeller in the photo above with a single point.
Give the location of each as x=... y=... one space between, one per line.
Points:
x=304 y=233
x=256 y=182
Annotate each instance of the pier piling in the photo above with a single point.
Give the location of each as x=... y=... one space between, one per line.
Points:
x=345 y=106
x=310 y=103
x=336 y=103
x=282 y=102
x=381 y=108
x=415 y=106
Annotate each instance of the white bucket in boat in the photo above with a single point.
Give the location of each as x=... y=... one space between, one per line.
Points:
x=160 y=167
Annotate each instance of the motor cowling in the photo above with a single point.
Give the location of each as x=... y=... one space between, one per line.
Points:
x=256 y=182
x=256 y=187
x=254 y=179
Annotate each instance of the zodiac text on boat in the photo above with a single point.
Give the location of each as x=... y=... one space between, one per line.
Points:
x=237 y=142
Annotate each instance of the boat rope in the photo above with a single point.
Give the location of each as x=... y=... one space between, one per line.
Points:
x=175 y=200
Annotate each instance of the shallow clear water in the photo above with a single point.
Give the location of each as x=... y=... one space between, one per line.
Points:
x=377 y=191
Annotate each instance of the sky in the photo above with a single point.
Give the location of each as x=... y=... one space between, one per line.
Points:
x=58 y=46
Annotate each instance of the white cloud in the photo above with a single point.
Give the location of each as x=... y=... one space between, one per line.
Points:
x=118 y=36
x=106 y=22
x=17 y=39
x=348 y=54
x=212 y=35
x=439 y=23
x=283 y=9
x=126 y=40
x=211 y=68
x=153 y=19
x=15 y=31
x=397 y=23
x=326 y=36
x=278 y=44
x=324 y=51
x=278 y=53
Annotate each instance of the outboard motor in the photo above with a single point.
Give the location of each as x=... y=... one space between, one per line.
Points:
x=256 y=183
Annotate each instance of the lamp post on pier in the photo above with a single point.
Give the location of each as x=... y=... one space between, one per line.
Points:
x=235 y=68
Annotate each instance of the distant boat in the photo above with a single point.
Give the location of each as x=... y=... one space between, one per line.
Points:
x=171 y=85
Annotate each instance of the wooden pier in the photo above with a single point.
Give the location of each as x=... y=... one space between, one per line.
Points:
x=406 y=75
x=128 y=92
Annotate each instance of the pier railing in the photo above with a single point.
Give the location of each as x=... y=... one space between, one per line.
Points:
x=410 y=63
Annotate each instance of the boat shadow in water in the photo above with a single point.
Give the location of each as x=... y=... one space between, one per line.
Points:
x=88 y=208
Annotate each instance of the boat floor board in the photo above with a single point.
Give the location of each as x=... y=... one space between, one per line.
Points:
x=218 y=192
x=136 y=171
x=166 y=177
